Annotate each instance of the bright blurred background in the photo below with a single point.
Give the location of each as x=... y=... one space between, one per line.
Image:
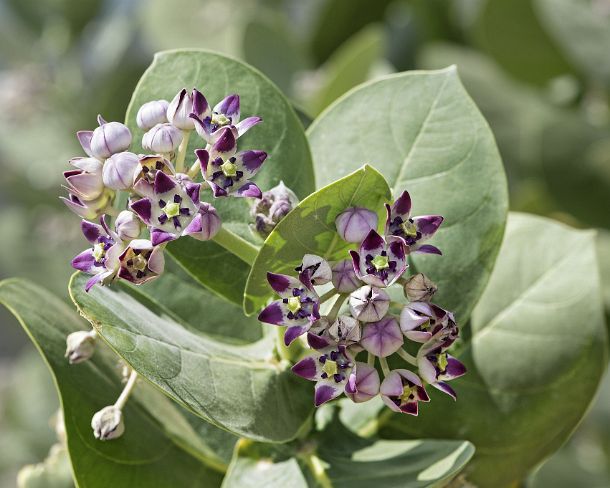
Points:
x=538 y=69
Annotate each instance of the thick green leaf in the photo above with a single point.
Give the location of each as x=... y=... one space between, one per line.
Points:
x=145 y=455
x=425 y=135
x=582 y=29
x=310 y=228
x=240 y=388
x=349 y=461
x=349 y=66
x=281 y=135
x=535 y=355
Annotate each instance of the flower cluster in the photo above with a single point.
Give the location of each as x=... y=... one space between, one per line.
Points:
x=417 y=333
x=163 y=197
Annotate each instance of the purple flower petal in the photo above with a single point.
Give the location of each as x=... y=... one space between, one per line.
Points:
x=143 y=208
x=364 y=384
x=382 y=338
x=192 y=190
x=84 y=137
x=325 y=392
x=251 y=161
x=84 y=261
x=91 y=231
x=163 y=183
x=272 y=314
x=249 y=190
x=280 y=283
x=372 y=242
x=317 y=342
x=246 y=125
x=445 y=388
x=158 y=236
x=306 y=368
x=92 y=281
x=292 y=333
x=402 y=205
x=355 y=223
x=229 y=106
x=428 y=224
x=224 y=146
x=427 y=249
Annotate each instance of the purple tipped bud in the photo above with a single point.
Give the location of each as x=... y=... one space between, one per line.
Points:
x=382 y=338
x=127 y=225
x=162 y=138
x=419 y=288
x=110 y=138
x=183 y=105
x=354 y=224
x=151 y=114
x=344 y=277
x=369 y=304
x=205 y=225
x=364 y=384
x=272 y=207
x=119 y=170
x=314 y=269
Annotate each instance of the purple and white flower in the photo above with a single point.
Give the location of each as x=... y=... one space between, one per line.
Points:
x=414 y=231
x=144 y=177
x=401 y=390
x=226 y=114
x=364 y=384
x=436 y=366
x=345 y=330
x=369 y=304
x=183 y=105
x=140 y=261
x=382 y=338
x=298 y=307
x=229 y=173
x=314 y=269
x=355 y=223
x=332 y=368
x=380 y=262
x=344 y=278
x=102 y=260
x=420 y=321
x=151 y=114
x=86 y=181
x=174 y=210
x=107 y=139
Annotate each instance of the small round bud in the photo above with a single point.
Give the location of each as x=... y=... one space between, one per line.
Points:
x=419 y=288
x=364 y=385
x=354 y=224
x=162 y=138
x=110 y=138
x=382 y=338
x=151 y=114
x=369 y=304
x=344 y=277
x=80 y=346
x=107 y=424
x=127 y=225
x=119 y=170
x=210 y=222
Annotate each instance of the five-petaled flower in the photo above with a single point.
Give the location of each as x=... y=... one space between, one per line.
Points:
x=414 y=231
x=436 y=366
x=401 y=390
x=298 y=307
x=380 y=261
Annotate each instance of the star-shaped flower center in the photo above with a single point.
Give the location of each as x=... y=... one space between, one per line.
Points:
x=409 y=228
x=229 y=169
x=99 y=251
x=220 y=120
x=407 y=393
x=294 y=304
x=172 y=209
x=442 y=361
x=139 y=263
x=380 y=262
x=330 y=367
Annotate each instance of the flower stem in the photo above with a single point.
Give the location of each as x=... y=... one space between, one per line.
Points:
x=384 y=366
x=332 y=315
x=317 y=469
x=372 y=427
x=328 y=295
x=407 y=357
x=396 y=304
x=122 y=400
x=370 y=359
x=237 y=245
x=182 y=151
x=289 y=353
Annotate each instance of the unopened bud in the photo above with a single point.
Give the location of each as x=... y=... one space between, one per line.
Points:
x=107 y=424
x=110 y=138
x=355 y=223
x=151 y=114
x=207 y=224
x=119 y=170
x=183 y=105
x=80 y=346
x=344 y=277
x=419 y=288
x=162 y=138
x=271 y=208
x=369 y=304
x=127 y=225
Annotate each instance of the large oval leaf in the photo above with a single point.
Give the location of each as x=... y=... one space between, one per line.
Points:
x=281 y=135
x=151 y=452
x=535 y=357
x=240 y=388
x=310 y=228
x=425 y=135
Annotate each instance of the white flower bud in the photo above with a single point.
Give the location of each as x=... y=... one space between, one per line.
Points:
x=107 y=424
x=419 y=288
x=110 y=138
x=369 y=304
x=151 y=114
x=162 y=138
x=127 y=225
x=119 y=170
x=80 y=346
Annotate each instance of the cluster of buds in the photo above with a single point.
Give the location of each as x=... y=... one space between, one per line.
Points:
x=417 y=331
x=163 y=197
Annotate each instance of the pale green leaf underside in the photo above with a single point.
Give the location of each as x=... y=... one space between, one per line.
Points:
x=237 y=387
x=535 y=354
x=422 y=131
x=147 y=454
x=280 y=134
x=310 y=229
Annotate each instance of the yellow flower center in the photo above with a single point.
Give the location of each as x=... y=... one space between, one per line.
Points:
x=409 y=228
x=330 y=367
x=380 y=262
x=139 y=263
x=172 y=209
x=220 y=119
x=294 y=304
x=229 y=169
x=98 y=251
x=407 y=391
x=442 y=361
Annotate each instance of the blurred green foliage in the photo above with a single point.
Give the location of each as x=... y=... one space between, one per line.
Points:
x=538 y=69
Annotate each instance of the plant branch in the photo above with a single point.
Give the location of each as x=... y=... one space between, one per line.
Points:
x=237 y=245
x=122 y=400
